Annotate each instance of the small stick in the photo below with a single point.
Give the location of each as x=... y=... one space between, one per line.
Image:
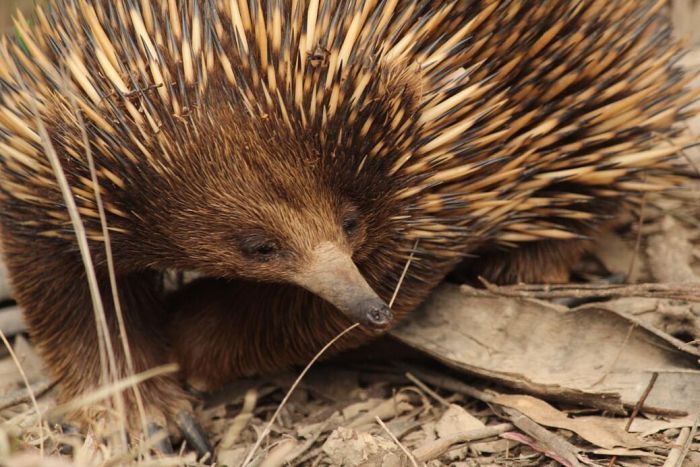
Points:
x=678 y=453
x=427 y=390
x=454 y=385
x=681 y=291
x=397 y=442
x=437 y=448
x=551 y=441
x=641 y=401
x=685 y=444
x=268 y=427
x=636 y=409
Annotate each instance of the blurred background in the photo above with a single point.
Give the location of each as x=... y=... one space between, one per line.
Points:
x=685 y=13
x=7 y=9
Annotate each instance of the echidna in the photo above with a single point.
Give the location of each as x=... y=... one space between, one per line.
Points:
x=307 y=156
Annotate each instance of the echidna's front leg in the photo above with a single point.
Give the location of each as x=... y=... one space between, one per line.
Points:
x=50 y=284
x=221 y=330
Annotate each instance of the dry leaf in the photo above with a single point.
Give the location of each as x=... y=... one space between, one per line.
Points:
x=456 y=420
x=347 y=447
x=534 y=444
x=589 y=356
x=234 y=456
x=595 y=430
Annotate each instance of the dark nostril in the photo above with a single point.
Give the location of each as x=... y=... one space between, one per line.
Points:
x=380 y=316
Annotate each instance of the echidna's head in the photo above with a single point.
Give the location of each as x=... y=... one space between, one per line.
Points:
x=263 y=199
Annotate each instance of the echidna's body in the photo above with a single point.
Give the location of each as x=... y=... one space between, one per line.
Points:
x=246 y=139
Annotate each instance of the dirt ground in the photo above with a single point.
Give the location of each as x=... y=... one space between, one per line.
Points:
x=610 y=378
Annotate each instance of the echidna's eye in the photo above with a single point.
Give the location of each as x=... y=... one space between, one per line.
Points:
x=350 y=225
x=258 y=249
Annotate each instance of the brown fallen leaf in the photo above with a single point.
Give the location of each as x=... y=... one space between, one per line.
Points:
x=588 y=356
x=455 y=420
x=595 y=430
x=539 y=446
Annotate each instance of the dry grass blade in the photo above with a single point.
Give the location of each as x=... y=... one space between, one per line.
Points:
x=403 y=275
x=268 y=427
x=410 y=456
x=104 y=340
x=241 y=420
x=29 y=389
x=427 y=390
x=110 y=267
x=114 y=388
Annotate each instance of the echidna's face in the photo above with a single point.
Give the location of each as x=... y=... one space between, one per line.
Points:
x=280 y=213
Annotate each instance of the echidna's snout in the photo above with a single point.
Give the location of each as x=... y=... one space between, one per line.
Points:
x=333 y=276
x=377 y=315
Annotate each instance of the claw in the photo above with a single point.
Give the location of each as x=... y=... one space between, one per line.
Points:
x=194 y=434
x=163 y=446
x=69 y=431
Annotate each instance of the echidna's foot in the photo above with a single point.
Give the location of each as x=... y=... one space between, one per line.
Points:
x=163 y=445
x=195 y=436
x=68 y=431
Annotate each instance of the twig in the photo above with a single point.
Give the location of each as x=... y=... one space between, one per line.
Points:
x=397 y=442
x=685 y=444
x=678 y=453
x=268 y=427
x=454 y=385
x=637 y=407
x=641 y=401
x=387 y=409
x=29 y=389
x=435 y=449
x=598 y=401
x=680 y=291
x=552 y=441
x=427 y=390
